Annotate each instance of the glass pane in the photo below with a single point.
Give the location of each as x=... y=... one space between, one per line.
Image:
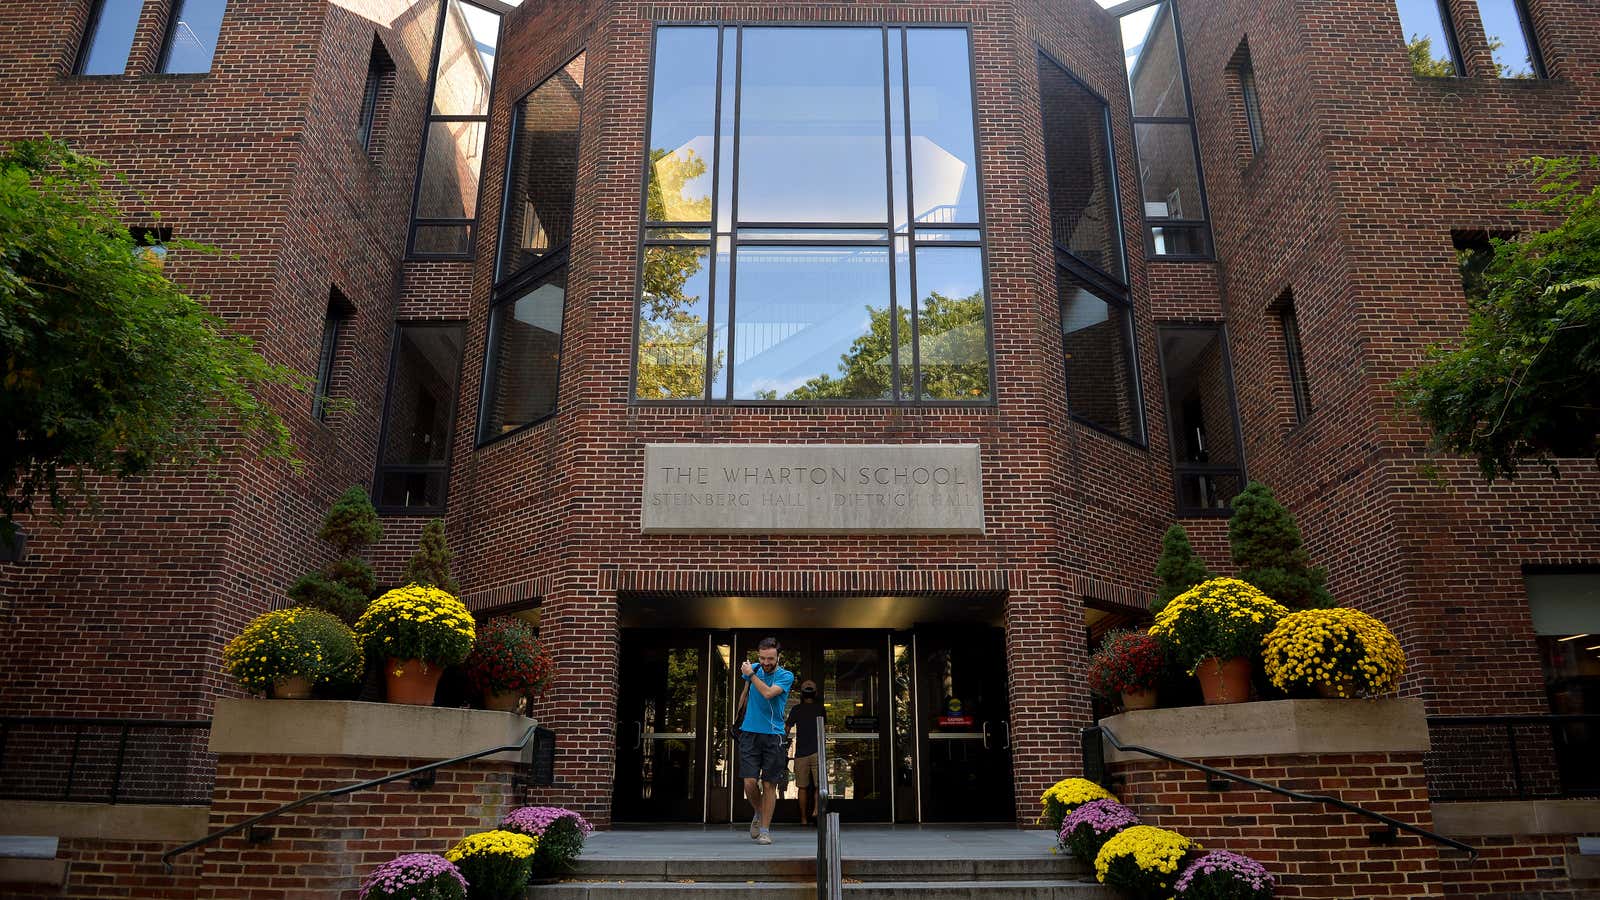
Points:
x=545 y=169
x=1502 y=23
x=944 y=159
x=1427 y=42
x=1155 y=73
x=1078 y=161
x=1199 y=397
x=945 y=235
x=813 y=234
x=811 y=129
x=1207 y=490
x=450 y=171
x=192 y=36
x=421 y=395
x=105 y=50
x=699 y=235
x=1178 y=240
x=672 y=324
x=813 y=324
x=442 y=240
x=725 y=129
x=526 y=357
x=398 y=490
x=905 y=378
x=1167 y=172
x=850 y=688
x=1101 y=378
x=901 y=201
x=682 y=113
x=720 y=318
x=952 y=325
x=466 y=60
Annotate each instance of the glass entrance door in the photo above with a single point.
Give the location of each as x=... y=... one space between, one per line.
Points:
x=966 y=746
x=661 y=748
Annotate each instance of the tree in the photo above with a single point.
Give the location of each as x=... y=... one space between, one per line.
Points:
x=672 y=334
x=343 y=586
x=1266 y=546
x=1178 y=568
x=1524 y=383
x=109 y=367
x=430 y=565
x=954 y=354
x=1420 y=51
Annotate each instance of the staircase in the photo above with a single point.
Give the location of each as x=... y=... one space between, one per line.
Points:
x=878 y=864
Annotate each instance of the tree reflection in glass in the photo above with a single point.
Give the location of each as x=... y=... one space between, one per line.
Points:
x=952 y=330
x=672 y=324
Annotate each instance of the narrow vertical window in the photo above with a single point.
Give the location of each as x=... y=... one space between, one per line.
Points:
x=192 y=36
x=445 y=211
x=414 y=450
x=1163 y=130
x=1096 y=312
x=108 y=37
x=334 y=334
x=524 y=360
x=1299 y=389
x=1207 y=465
x=1242 y=79
x=1429 y=39
x=1511 y=40
x=376 y=95
x=1474 y=252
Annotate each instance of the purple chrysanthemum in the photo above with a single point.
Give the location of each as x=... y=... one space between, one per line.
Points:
x=1103 y=816
x=535 y=819
x=1224 y=864
x=409 y=872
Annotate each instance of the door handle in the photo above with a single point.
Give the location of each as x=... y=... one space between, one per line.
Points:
x=985 y=734
x=1005 y=734
x=638 y=734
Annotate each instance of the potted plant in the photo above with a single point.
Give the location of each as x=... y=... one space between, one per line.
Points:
x=288 y=651
x=1086 y=829
x=561 y=833
x=1214 y=632
x=1336 y=652
x=415 y=876
x=1126 y=668
x=1224 y=875
x=1067 y=795
x=507 y=664
x=1143 y=861
x=418 y=631
x=496 y=864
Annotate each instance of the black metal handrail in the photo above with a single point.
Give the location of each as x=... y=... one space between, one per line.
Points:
x=520 y=745
x=124 y=730
x=1472 y=767
x=1393 y=823
x=830 y=881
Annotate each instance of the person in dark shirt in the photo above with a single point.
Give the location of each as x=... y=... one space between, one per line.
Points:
x=803 y=718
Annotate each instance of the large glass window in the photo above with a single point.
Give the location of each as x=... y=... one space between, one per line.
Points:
x=414 y=451
x=1430 y=42
x=109 y=37
x=1565 y=609
x=812 y=227
x=524 y=360
x=1096 y=314
x=1207 y=464
x=442 y=219
x=1163 y=131
x=192 y=36
x=1511 y=41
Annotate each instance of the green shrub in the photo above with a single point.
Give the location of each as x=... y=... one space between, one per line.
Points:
x=284 y=643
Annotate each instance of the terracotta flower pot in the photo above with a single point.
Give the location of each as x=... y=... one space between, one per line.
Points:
x=294 y=687
x=412 y=681
x=1145 y=699
x=506 y=702
x=1224 y=680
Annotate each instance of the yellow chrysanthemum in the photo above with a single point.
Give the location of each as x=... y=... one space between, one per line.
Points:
x=1222 y=617
x=1345 y=649
x=418 y=622
x=1142 y=856
x=494 y=843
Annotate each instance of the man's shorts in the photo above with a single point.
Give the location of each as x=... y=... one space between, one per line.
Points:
x=805 y=771
x=761 y=756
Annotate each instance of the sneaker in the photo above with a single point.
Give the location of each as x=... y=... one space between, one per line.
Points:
x=764 y=837
x=755 y=827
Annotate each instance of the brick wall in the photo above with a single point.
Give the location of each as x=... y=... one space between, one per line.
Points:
x=99 y=868
x=1511 y=867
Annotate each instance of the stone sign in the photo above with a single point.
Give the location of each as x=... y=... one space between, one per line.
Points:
x=810 y=488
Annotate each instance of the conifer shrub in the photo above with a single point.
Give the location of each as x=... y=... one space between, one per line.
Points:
x=430 y=565
x=344 y=586
x=1178 y=568
x=1266 y=545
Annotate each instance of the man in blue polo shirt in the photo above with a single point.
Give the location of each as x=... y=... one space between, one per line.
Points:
x=762 y=761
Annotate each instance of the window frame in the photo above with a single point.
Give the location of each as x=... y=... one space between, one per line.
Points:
x=1180 y=469
x=174 y=9
x=1150 y=224
x=508 y=287
x=1295 y=359
x=334 y=323
x=86 y=41
x=1251 y=99
x=379 y=468
x=1451 y=40
x=428 y=120
x=1090 y=278
x=1530 y=37
x=903 y=396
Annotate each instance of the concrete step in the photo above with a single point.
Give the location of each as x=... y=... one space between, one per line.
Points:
x=1037 y=889
x=1060 y=867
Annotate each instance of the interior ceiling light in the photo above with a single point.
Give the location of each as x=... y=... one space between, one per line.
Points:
x=1573 y=637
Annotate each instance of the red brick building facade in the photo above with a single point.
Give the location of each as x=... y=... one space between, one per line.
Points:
x=1347 y=204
